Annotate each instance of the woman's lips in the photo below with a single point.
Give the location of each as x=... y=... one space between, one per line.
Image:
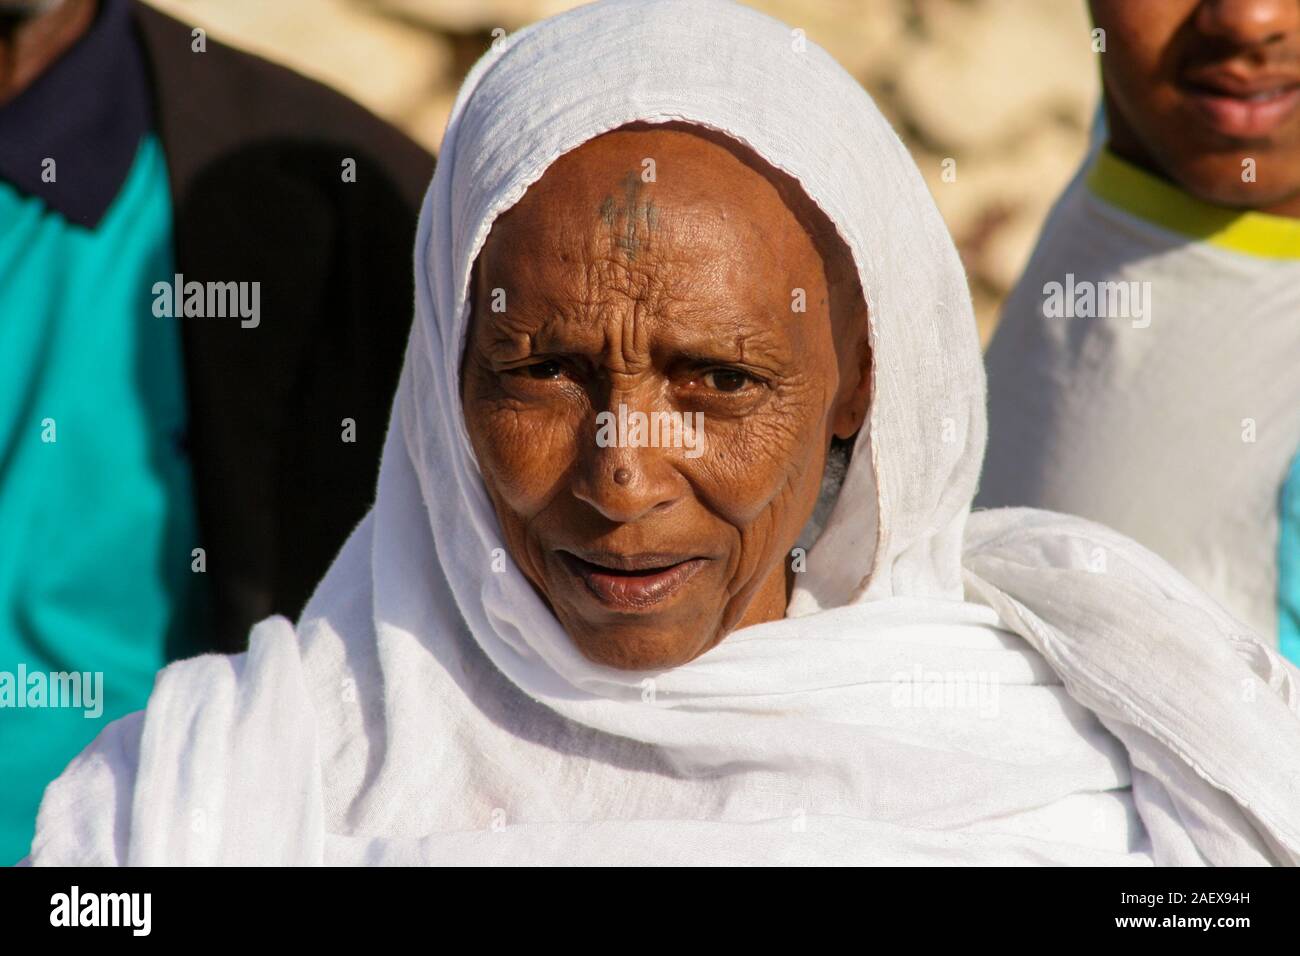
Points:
x=633 y=582
x=1244 y=113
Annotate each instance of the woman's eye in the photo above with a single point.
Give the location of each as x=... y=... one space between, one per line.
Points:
x=726 y=379
x=541 y=370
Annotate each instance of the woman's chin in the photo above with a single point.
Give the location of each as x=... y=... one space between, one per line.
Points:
x=645 y=620
x=649 y=641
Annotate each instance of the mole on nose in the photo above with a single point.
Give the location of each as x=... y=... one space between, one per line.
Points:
x=622 y=476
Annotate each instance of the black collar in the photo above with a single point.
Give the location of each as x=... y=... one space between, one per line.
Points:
x=87 y=112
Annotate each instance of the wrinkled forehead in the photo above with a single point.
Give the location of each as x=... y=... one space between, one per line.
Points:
x=648 y=195
x=663 y=240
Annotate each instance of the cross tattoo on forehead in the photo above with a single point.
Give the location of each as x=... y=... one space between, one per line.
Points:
x=631 y=211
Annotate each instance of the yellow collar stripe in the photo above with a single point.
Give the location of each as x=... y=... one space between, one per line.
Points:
x=1138 y=192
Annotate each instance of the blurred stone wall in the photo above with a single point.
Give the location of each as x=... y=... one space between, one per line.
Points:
x=1005 y=88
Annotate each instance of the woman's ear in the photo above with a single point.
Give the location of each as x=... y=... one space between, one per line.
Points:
x=854 y=399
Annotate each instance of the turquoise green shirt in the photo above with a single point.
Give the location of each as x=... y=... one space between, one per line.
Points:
x=97 y=517
x=1288 y=566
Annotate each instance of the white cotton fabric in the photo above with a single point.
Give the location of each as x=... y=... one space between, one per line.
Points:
x=1178 y=433
x=429 y=710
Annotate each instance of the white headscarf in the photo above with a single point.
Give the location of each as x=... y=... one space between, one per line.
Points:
x=431 y=709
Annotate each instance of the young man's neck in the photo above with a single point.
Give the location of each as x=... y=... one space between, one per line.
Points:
x=31 y=41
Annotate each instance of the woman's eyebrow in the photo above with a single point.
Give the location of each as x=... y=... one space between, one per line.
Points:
x=522 y=333
x=747 y=345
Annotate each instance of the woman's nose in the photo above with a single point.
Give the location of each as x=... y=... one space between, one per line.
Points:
x=622 y=475
x=1248 y=22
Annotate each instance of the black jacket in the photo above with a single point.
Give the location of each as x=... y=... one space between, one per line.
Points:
x=255 y=156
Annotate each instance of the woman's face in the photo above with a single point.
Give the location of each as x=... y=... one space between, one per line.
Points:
x=651 y=382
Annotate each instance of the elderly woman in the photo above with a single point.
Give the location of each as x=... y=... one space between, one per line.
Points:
x=778 y=635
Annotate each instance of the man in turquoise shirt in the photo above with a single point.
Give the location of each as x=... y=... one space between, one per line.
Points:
x=96 y=504
x=160 y=472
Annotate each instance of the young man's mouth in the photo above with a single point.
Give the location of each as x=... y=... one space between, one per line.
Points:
x=1242 y=107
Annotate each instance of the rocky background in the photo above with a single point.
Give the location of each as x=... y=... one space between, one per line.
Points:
x=1006 y=88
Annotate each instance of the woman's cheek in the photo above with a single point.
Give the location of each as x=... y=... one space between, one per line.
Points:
x=526 y=455
x=750 y=464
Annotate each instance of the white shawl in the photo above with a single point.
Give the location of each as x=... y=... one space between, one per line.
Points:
x=428 y=709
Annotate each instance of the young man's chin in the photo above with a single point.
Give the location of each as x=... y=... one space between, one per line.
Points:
x=1242 y=178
